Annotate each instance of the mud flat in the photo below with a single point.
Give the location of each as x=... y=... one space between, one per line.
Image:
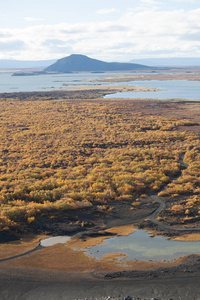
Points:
x=44 y=285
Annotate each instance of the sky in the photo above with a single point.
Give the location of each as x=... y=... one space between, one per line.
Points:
x=109 y=30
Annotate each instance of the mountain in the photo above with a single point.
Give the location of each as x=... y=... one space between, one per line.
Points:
x=77 y=63
x=23 y=64
x=169 y=61
x=82 y=63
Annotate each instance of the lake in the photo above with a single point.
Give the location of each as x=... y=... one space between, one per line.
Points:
x=50 y=82
x=170 y=89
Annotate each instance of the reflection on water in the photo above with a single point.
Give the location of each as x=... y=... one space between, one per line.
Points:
x=141 y=246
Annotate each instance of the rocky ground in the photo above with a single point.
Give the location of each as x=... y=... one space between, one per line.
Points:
x=85 y=288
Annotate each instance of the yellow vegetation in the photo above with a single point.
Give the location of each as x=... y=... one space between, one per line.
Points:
x=115 y=256
x=192 y=237
x=124 y=230
x=64 y=155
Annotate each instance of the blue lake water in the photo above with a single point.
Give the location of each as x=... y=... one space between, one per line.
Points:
x=170 y=89
x=141 y=246
x=9 y=84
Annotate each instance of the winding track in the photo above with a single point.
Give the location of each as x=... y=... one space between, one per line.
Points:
x=155 y=214
x=152 y=217
x=38 y=247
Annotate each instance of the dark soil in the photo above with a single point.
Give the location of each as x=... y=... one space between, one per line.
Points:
x=77 y=221
x=42 y=284
x=189 y=266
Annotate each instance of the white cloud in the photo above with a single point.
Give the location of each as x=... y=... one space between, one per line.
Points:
x=13 y=45
x=106 y=11
x=186 y=1
x=30 y=19
x=144 y=33
x=150 y=2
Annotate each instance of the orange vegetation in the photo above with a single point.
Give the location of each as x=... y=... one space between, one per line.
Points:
x=66 y=155
x=192 y=237
x=124 y=230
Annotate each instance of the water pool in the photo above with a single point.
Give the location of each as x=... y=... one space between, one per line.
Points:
x=141 y=246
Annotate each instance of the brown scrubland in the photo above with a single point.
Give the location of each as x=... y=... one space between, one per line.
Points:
x=65 y=155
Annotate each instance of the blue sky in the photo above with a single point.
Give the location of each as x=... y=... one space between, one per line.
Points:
x=111 y=30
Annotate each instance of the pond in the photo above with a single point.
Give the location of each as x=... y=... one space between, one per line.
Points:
x=141 y=246
x=54 y=240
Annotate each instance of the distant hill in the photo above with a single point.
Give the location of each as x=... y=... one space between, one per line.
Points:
x=82 y=63
x=77 y=62
x=24 y=64
x=169 y=61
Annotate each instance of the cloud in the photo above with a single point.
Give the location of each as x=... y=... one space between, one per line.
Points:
x=122 y=46
x=186 y=1
x=150 y=2
x=191 y=36
x=112 y=27
x=5 y=35
x=105 y=11
x=31 y=19
x=12 y=45
x=51 y=42
x=139 y=33
x=73 y=30
x=58 y=46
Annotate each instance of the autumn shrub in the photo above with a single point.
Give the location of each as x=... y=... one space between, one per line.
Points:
x=63 y=155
